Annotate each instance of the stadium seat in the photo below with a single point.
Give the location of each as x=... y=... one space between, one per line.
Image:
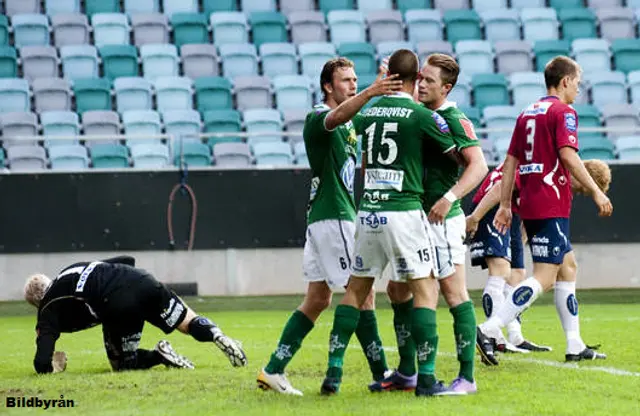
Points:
x=488 y=150
x=539 y=24
x=474 y=56
x=307 y=26
x=173 y=93
x=527 y=87
x=292 y=92
x=70 y=29
x=462 y=25
x=250 y=6
x=626 y=54
x=385 y=49
x=592 y=54
x=268 y=27
x=68 y=157
x=252 y=91
x=490 y=89
x=238 y=59
x=17 y=124
x=102 y=6
x=346 y=26
x=424 y=49
x=133 y=7
x=92 y=94
x=79 y=61
x=596 y=148
x=232 y=155
x=620 y=116
x=523 y=4
x=363 y=56
x=546 y=50
x=273 y=154
x=39 y=62
x=373 y=5
x=405 y=5
x=385 y=26
x=222 y=121
x=109 y=156
x=229 y=27
x=133 y=93
x=51 y=94
x=8 y=62
x=159 y=60
x=424 y=25
x=189 y=28
x=607 y=87
x=119 y=61
x=589 y=116
x=199 y=60
x=628 y=148
x=259 y=120
x=171 y=7
x=501 y=24
x=482 y=6
x=149 y=155
x=100 y=123
x=59 y=123
x=194 y=154
x=616 y=23
x=143 y=124
x=213 y=93
x=513 y=56
x=633 y=79
x=14 y=95
x=294 y=122
x=500 y=117
x=450 y=4
x=577 y=23
x=150 y=28
x=110 y=29
x=566 y=4
x=292 y=6
x=596 y=4
x=211 y=6
x=501 y=147
x=278 y=59
x=364 y=81
x=13 y=7
x=313 y=56
x=461 y=93
x=300 y=154
x=185 y=123
x=30 y=29
x=4 y=30
x=26 y=158
x=472 y=113
x=327 y=5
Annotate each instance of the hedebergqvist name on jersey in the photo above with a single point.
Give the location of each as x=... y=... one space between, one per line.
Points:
x=387 y=112
x=384 y=179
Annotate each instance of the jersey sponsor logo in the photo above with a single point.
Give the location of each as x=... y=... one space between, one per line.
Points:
x=531 y=168
x=522 y=295
x=348 y=174
x=540 y=240
x=539 y=251
x=384 y=179
x=572 y=139
x=375 y=197
x=440 y=122
x=82 y=281
x=373 y=220
x=537 y=108
x=467 y=125
x=315 y=183
x=359 y=265
x=570 y=122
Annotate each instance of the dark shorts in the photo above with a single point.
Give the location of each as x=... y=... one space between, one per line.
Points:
x=517 y=248
x=488 y=242
x=548 y=239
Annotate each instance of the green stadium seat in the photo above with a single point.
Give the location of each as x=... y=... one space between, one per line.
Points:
x=102 y=6
x=4 y=30
x=119 y=61
x=109 y=156
x=596 y=148
x=213 y=93
x=362 y=54
x=577 y=23
x=566 y=4
x=462 y=25
x=195 y=154
x=364 y=80
x=404 y=5
x=328 y=5
x=473 y=114
x=626 y=54
x=211 y=6
x=490 y=89
x=589 y=116
x=545 y=50
x=268 y=27
x=8 y=62
x=222 y=121
x=189 y=28
x=92 y=94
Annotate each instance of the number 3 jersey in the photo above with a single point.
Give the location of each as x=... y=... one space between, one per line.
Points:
x=393 y=134
x=541 y=130
x=332 y=157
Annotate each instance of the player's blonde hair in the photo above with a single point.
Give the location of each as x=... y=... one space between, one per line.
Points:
x=599 y=172
x=35 y=288
x=449 y=68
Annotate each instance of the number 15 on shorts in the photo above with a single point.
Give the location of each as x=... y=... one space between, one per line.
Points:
x=424 y=256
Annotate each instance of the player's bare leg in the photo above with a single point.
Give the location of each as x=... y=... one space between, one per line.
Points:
x=567 y=307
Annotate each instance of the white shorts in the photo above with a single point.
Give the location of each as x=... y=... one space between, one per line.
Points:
x=399 y=237
x=448 y=239
x=328 y=252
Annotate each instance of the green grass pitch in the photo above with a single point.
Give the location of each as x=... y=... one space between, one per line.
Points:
x=532 y=384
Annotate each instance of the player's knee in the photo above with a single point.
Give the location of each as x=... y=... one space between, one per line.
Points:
x=398 y=293
x=318 y=304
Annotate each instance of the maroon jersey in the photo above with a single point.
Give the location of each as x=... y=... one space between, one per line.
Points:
x=492 y=179
x=542 y=129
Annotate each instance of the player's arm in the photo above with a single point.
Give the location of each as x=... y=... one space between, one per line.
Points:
x=502 y=220
x=486 y=204
x=474 y=172
x=47 y=335
x=128 y=260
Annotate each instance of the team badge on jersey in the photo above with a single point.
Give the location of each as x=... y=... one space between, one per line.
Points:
x=467 y=125
x=348 y=174
x=440 y=122
x=570 y=122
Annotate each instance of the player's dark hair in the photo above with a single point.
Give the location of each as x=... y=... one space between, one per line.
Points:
x=558 y=68
x=449 y=68
x=329 y=68
x=404 y=63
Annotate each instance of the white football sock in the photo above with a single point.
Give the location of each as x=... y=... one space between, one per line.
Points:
x=567 y=307
x=514 y=329
x=493 y=295
x=522 y=297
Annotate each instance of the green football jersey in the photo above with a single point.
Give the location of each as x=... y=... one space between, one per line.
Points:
x=394 y=131
x=442 y=171
x=332 y=157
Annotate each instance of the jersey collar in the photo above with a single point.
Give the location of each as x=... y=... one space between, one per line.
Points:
x=550 y=97
x=447 y=104
x=400 y=94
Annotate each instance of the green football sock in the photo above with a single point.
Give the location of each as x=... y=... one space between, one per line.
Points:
x=345 y=322
x=464 y=329
x=297 y=327
x=367 y=333
x=425 y=335
x=402 y=315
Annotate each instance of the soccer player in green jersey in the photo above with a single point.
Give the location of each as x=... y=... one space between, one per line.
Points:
x=391 y=226
x=330 y=140
x=443 y=189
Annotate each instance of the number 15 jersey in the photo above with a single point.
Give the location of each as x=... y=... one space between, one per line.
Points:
x=541 y=130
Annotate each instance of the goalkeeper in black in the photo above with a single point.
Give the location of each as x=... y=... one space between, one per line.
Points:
x=122 y=298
